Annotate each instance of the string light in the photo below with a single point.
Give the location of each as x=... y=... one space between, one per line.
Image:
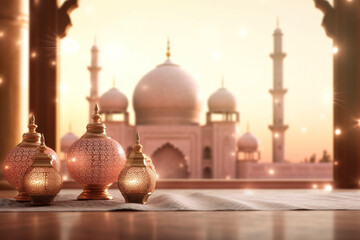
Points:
x=33 y=55
x=2 y=34
x=303 y=129
x=335 y=50
x=337 y=132
x=271 y=172
x=248 y=192
x=315 y=186
x=1 y=80
x=276 y=135
x=328 y=187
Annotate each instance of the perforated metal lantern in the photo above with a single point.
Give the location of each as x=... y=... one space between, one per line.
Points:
x=42 y=181
x=95 y=161
x=19 y=160
x=138 y=179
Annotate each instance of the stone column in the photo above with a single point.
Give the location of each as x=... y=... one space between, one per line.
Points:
x=48 y=23
x=342 y=24
x=13 y=75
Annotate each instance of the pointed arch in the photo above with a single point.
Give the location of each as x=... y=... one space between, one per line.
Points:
x=170 y=162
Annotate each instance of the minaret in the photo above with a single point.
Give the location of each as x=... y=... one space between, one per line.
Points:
x=94 y=69
x=278 y=128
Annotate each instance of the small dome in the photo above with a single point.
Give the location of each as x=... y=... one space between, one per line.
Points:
x=248 y=143
x=222 y=101
x=66 y=141
x=167 y=95
x=113 y=101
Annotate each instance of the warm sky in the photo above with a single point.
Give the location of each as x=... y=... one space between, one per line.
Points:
x=209 y=38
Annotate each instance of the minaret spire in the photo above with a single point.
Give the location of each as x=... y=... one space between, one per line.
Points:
x=114 y=82
x=278 y=127
x=94 y=70
x=168 y=53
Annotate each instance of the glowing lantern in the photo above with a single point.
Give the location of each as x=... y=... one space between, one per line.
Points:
x=42 y=181
x=137 y=181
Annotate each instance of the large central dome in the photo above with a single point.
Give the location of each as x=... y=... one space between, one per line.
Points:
x=167 y=95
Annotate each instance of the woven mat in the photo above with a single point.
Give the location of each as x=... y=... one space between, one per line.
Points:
x=202 y=200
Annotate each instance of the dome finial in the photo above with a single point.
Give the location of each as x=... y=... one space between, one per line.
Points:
x=222 y=82
x=70 y=127
x=168 y=53
x=94 y=39
x=248 y=127
x=277 y=22
x=114 y=82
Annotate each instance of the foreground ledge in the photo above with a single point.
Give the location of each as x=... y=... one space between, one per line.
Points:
x=231 y=184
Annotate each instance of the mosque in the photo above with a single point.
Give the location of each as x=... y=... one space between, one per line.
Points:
x=167 y=104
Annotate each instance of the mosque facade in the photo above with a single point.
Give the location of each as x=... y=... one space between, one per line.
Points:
x=167 y=104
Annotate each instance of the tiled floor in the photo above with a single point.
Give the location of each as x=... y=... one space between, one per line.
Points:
x=256 y=225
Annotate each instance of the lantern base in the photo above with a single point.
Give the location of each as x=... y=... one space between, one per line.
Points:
x=95 y=192
x=42 y=200
x=22 y=196
x=136 y=197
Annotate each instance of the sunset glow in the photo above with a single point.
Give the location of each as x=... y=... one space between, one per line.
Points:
x=231 y=38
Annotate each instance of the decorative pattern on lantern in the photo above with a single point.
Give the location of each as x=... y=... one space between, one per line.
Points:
x=19 y=160
x=138 y=179
x=42 y=181
x=95 y=161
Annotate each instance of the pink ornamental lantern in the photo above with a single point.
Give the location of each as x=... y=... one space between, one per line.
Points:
x=19 y=160
x=95 y=161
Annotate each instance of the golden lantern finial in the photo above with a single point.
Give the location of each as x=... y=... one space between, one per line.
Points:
x=96 y=116
x=96 y=127
x=137 y=138
x=32 y=126
x=137 y=147
x=42 y=146
x=168 y=53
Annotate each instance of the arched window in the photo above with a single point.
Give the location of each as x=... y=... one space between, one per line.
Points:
x=207 y=153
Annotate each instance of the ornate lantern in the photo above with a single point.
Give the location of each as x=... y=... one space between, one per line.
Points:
x=20 y=159
x=95 y=161
x=137 y=181
x=42 y=181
